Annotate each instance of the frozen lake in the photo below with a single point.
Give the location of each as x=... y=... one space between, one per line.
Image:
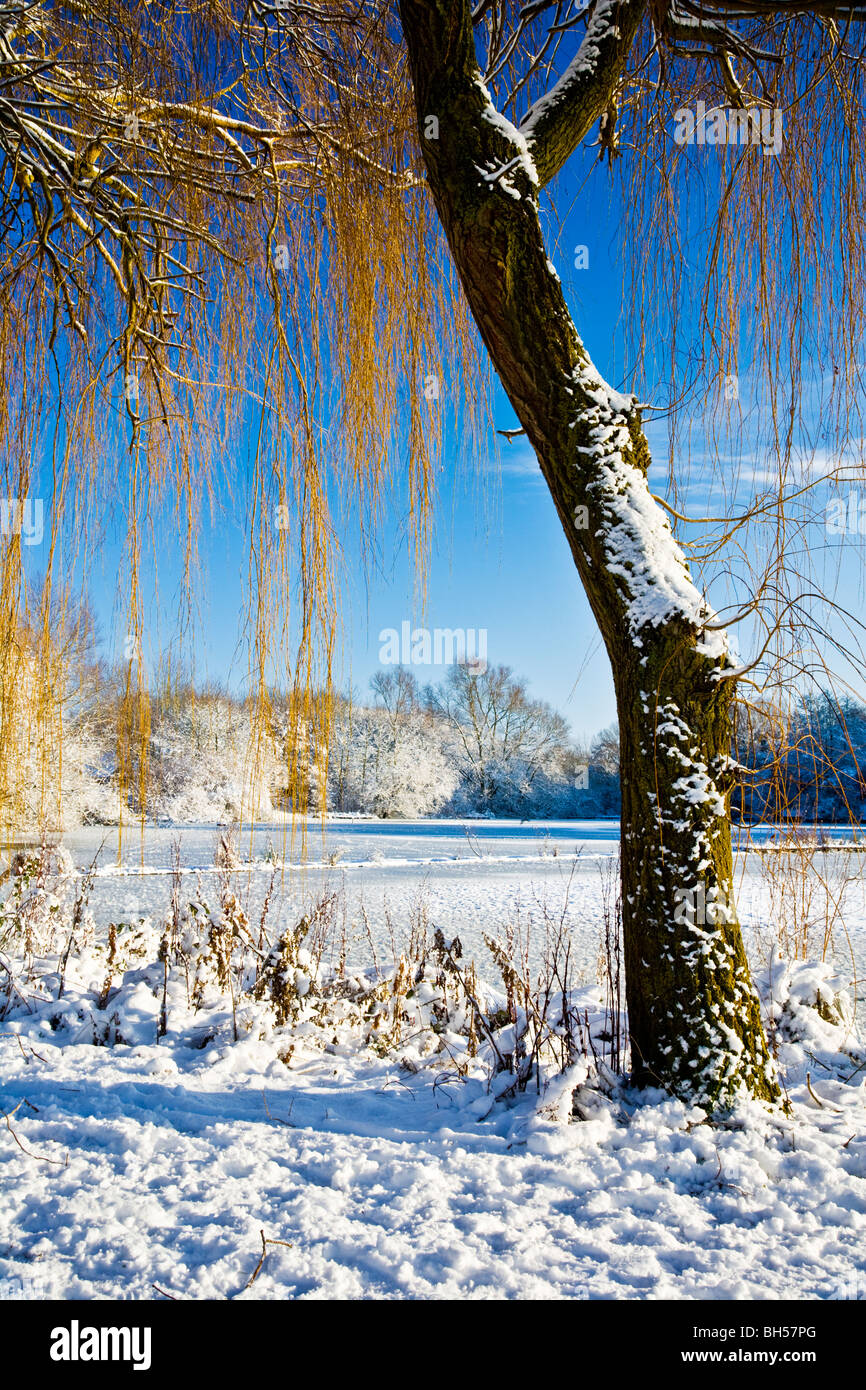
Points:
x=472 y=877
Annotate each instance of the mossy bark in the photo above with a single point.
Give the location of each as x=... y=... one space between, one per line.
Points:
x=694 y=1018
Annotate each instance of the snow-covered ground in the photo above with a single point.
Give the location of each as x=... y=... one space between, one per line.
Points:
x=166 y=1167
x=392 y=1171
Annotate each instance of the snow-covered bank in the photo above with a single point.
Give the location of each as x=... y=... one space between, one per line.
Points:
x=168 y=1162
x=174 y=1089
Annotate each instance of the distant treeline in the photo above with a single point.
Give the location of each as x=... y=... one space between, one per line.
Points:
x=476 y=744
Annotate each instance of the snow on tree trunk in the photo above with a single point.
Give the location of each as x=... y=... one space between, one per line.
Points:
x=693 y=1013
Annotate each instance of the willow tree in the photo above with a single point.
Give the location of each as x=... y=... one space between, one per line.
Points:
x=694 y=1017
x=223 y=207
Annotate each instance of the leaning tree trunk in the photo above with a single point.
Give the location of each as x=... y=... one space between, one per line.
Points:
x=694 y=1019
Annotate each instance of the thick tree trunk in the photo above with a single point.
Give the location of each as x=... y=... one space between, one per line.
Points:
x=694 y=1018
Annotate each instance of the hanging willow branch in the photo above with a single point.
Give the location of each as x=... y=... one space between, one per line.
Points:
x=215 y=247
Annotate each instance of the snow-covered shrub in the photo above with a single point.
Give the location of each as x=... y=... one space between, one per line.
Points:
x=807 y=1003
x=38 y=908
x=201 y=977
x=204 y=763
x=45 y=923
x=387 y=766
x=286 y=977
x=226 y=853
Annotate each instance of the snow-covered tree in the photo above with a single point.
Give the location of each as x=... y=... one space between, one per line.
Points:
x=693 y=1012
x=805 y=764
x=504 y=742
x=204 y=763
x=56 y=748
x=390 y=760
